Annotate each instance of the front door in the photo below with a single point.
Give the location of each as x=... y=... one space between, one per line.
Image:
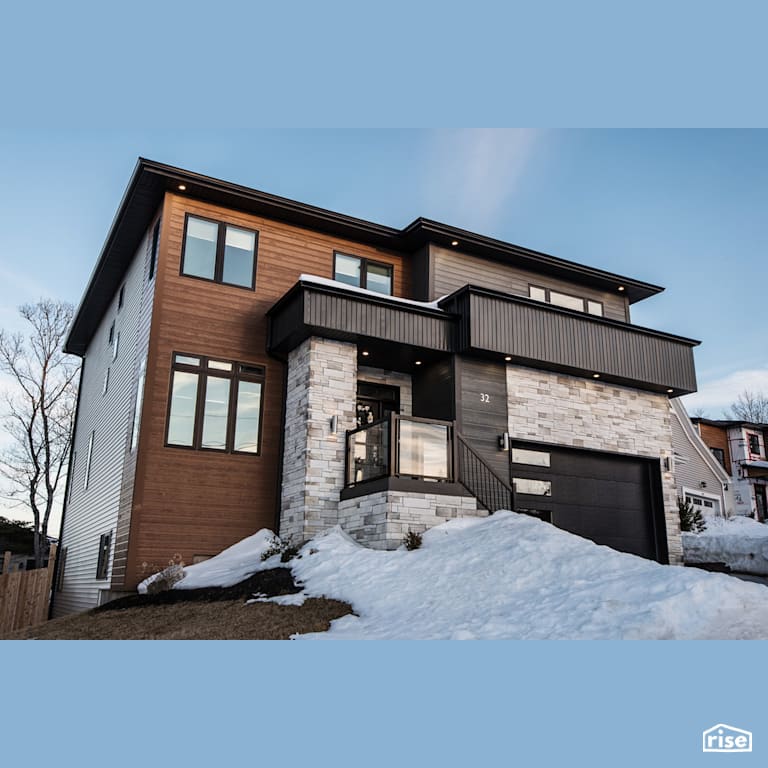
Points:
x=376 y=401
x=761 y=502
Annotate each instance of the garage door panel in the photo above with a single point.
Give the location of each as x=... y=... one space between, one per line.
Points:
x=582 y=466
x=602 y=497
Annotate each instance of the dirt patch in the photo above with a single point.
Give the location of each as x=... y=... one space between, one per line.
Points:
x=271 y=583
x=199 y=614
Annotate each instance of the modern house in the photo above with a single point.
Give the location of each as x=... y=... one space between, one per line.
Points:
x=740 y=446
x=250 y=361
x=700 y=475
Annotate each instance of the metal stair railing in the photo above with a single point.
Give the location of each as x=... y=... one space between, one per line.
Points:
x=480 y=480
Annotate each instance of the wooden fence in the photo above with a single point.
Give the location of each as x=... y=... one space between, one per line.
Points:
x=25 y=595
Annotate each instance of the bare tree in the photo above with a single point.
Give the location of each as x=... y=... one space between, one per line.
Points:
x=39 y=412
x=751 y=406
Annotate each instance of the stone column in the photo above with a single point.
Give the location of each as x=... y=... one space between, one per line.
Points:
x=322 y=383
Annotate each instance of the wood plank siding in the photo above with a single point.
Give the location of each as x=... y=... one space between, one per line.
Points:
x=191 y=502
x=716 y=437
x=450 y=270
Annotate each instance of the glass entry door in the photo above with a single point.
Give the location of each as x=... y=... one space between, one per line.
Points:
x=376 y=401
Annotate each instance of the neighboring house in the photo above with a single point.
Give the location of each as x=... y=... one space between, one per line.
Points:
x=701 y=478
x=251 y=361
x=741 y=448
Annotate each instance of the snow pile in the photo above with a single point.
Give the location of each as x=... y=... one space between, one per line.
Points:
x=512 y=576
x=739 y=542
x=228 y=567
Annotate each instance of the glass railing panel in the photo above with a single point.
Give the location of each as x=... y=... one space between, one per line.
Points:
x=368 y=453
x=424 y=450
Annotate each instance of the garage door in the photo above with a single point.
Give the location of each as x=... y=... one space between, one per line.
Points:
x=612 y=500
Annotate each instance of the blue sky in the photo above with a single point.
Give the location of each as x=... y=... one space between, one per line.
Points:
x=686 y=209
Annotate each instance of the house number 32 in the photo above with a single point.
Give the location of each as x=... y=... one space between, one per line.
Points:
x=485 y=398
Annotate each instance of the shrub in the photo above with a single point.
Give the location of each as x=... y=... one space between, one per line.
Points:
x=412 y=540
x=285 y=549
x=691 y=520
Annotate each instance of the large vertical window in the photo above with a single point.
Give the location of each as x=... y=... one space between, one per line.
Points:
x=215 y=405
x=220 y=252
x=362 y=273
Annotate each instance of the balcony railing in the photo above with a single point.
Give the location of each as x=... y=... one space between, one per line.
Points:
x=401 y=446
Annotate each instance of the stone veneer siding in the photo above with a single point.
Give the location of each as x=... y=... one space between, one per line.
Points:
x=580 y=413
x=382 y=519
x=322 y=383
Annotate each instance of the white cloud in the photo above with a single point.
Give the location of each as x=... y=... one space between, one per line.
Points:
x=472 y=172
x=715 y=396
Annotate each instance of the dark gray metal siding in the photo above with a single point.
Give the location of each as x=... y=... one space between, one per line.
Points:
x=543 y=336
x=482 y=410
x=315 y=311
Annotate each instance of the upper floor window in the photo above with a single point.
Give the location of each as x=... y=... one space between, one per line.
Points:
x=220 y=252
x=362 y=273
x=754 y=443
x=719 y=454
x=215 y=405
x=566 y=300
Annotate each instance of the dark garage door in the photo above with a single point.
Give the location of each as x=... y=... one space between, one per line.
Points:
x=613 y=500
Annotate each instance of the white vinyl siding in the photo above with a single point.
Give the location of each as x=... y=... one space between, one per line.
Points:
x=694 y=464
x=106 y=423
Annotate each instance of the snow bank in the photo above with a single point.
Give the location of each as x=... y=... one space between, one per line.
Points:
x=739 y=542
x=228 y=567
x=511 y=576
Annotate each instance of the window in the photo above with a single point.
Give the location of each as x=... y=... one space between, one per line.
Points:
x=220 y=252
x=153 y=249
x=111 y=334
x=137 y=406
x=362 y=273
x=105 y=385
x=719 y=454
x=754 y=443
x=534 y=458
x=594 y=308
x=115 y=345
x=88 y=458
x=215 y=405
x=102 y=565
x=120 y=298
x=532 y=487
x=62 y=566
x=565 y=300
